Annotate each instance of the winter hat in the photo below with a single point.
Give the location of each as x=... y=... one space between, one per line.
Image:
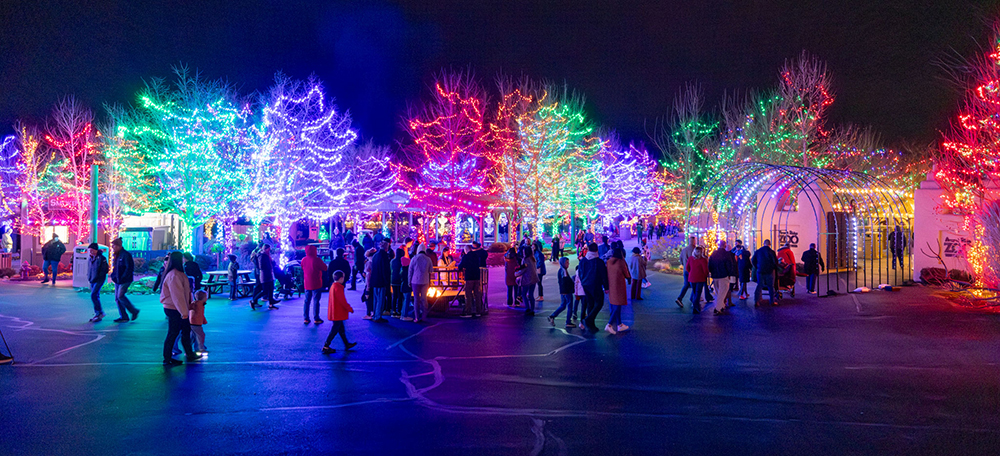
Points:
x=93 y=245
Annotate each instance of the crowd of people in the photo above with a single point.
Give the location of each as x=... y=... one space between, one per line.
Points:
x=396 y=282
x=731 y=269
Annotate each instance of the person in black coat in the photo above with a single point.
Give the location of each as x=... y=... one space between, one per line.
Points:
x=338 y=263
x=722 y=266
x=743 y=268
x=52 y=252
x=193 y=270
x=122 y=276
x=766 y=263
x=594 y=279
x=266 y=288
x=897 y=242
x=381 y=279
x=359 y=264
x=813 y=264
x=396 y=281
x=97 y=274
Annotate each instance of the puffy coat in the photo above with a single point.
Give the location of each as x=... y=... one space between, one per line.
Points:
x=697 y=270
x=53 y=250
x=593 y=273
x=529 y=272
x=786 y=255
x=97 y=268
x=765 y=260
x=722 y=264
x=198 y=313
x=381 y=272
x=618 y=277
x=509 y=268
x=337 y=306
x=312 y=269
x=637 y=266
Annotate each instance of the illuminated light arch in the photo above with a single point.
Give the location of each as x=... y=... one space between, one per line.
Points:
x=847 y=214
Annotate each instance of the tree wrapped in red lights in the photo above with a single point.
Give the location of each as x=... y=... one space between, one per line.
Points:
x=968 y=166
x=447 y=162
x=518 y=101
x=33 y=166
x=72 y=138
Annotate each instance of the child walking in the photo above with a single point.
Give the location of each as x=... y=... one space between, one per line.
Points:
x=578 y=298
x=197 y=319
x=566 y=289
x=337 y=313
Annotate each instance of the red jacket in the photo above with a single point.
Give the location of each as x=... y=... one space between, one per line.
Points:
x=338 y=307
x=312 y=269
x=697 y=270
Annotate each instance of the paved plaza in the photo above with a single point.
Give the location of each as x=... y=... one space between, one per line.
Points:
x=879 y=373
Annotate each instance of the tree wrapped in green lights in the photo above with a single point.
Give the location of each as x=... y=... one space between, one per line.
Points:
x=559 y=149
x=194 y=139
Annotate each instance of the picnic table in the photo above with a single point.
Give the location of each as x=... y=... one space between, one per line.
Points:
x=218 y=280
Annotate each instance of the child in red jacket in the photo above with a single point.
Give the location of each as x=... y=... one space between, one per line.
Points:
x=337 y=313
x=698 y=276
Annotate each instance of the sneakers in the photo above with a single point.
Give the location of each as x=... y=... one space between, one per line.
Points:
x=366 y=317
x=465 y=315
x=679 y=303
x=570 y=325
x=318 y=321
x=306 y=322
x=135 y=314
x=552 y=321
x=539 y=299
x=45 y=280
x=172 y=362
x=121 y=320
x=609 y=329
x=622 y=327
x=350 y=345
x=581 y=326
x=97 y=317
x=193 y=358
x=406 y=319
x=328 y=350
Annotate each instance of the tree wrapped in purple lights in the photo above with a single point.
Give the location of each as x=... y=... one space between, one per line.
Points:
x=630 y=183
x=307 y=165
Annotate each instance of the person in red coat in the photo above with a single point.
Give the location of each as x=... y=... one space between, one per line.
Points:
x=698 y=276
x=312 y=279
x=337 y=313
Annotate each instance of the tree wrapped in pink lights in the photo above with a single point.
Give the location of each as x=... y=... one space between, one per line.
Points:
x=10 y=168
x=72 y=139
x=447 y=161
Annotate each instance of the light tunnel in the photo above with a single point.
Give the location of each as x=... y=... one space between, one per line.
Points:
x=849 y=215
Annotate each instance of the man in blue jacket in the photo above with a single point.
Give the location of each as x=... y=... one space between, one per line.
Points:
x=121 y=275
x=766 y=263
x=594 y=279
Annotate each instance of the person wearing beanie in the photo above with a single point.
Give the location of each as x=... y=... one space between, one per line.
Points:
x=97 y=274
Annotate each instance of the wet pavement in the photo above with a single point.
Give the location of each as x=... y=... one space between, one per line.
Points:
x=879 y=373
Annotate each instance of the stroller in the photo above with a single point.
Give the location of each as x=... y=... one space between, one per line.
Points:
x=786 y=279
x=290 y=280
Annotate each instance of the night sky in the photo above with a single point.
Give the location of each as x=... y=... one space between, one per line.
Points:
x=375 y=57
